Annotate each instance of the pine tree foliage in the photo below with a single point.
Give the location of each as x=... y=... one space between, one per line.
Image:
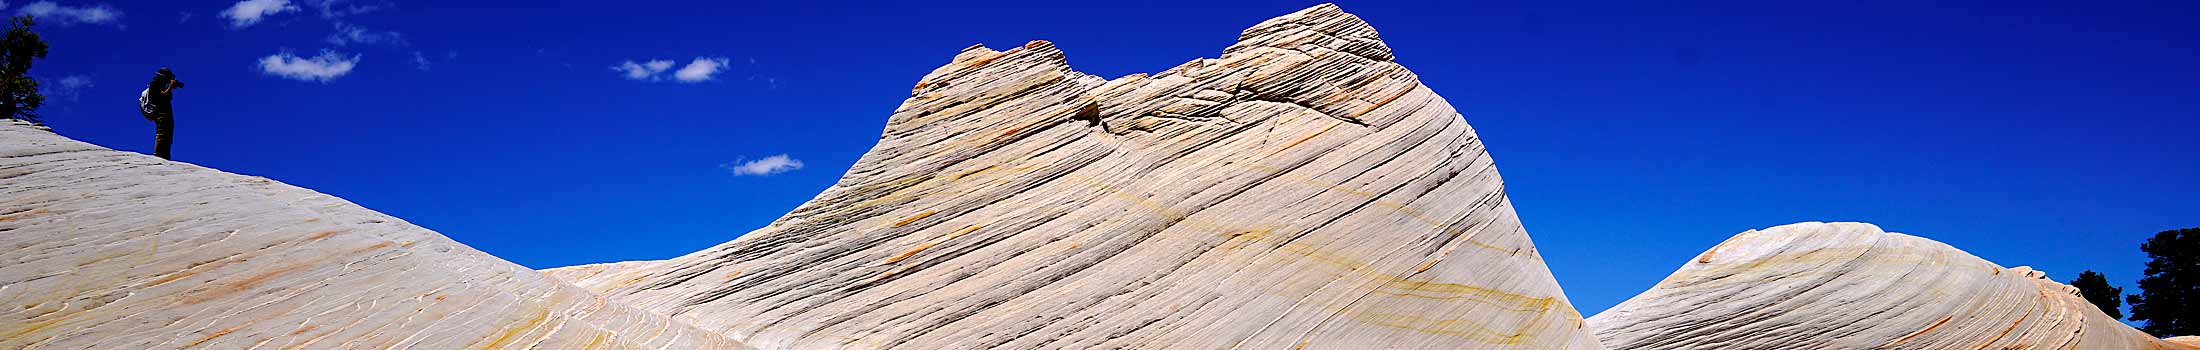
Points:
x=2169 y=295
x=19 y=47
x=2095 y=288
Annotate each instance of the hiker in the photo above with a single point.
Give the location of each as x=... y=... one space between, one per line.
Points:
x=154 y=103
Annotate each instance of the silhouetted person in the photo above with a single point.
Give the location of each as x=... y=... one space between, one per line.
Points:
x=154 y=103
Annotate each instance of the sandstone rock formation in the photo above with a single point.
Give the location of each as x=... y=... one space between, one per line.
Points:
x=1853 y=286
x=115 y=250
x=2193 y=341
x=1301 y=191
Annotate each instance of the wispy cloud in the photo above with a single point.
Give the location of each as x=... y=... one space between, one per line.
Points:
x=420 y=61
x=643 y=71
x=334 y=9
x=756 y=73
x=764 y=167
x=347 y=34
x=57 y=14
x=323 y=68
x=67 y=88
x=338 y=14
x=700 y=70
x=247 y=12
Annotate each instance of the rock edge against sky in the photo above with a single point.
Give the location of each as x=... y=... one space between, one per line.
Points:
x=1302 y=190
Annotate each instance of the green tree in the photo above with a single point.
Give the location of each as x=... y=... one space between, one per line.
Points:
x=2095 y=288
x=19 y=98
x=2169 y=294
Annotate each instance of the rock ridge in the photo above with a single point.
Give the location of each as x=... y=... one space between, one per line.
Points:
x=116 y=250
x=1300 y=191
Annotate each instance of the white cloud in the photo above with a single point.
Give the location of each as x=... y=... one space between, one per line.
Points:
x=67 y=88
x=643 y=71
x=420 y=61
x=702 y=69
x=247 y=12
x=765 y=167
x=328 y=66
x=347 y=33
x=75 y=82
x=333 y=9
x=51 y=12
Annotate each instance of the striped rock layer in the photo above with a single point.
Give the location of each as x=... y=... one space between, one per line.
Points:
x=2192 y=341
x=1852 y=286
x=102 y=249
x=1301 y=191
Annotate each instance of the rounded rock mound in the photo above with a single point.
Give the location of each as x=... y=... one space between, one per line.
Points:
x=1853 y=286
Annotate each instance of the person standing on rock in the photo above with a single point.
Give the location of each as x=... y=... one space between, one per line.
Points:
x=154 y=103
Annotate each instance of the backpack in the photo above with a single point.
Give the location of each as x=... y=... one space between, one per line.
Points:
x=145 y=104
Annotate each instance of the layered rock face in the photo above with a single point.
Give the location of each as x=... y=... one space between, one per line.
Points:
x=1853 y=286
x=115 y=250
x=2192 y=341
x=1301 y=191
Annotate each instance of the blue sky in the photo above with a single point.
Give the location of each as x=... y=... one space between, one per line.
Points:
x=1632 y=136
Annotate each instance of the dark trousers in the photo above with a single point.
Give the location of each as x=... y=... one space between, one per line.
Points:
x=164 y=132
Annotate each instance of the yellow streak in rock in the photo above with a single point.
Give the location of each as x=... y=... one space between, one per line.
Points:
x=2005 y=331
x=964 y=231
x=974 y=63
x=1301 y=139
x=1403 y=286
x=1943 y=320
x=596 y=341
x=905 y=191
x=25 y=214
x=208 y=337
x=1458 y=328
x=913 y=218
x=630 y=281
x=29 y=328
x=1387 y=101
x=542 y=312
x=907 y=254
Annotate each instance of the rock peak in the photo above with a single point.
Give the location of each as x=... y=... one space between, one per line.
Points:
x=1318 y=27
x=1301 y=191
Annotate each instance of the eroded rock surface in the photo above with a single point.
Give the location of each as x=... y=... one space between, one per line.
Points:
x=1300 y=191
x=116 y=250
x=1853 y=286
x=2193 y=341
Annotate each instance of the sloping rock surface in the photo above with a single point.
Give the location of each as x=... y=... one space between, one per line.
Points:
x=115 y=250
x=1852 y=286
x=2193 y=341
x=603 y=277
x=1301 y=191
